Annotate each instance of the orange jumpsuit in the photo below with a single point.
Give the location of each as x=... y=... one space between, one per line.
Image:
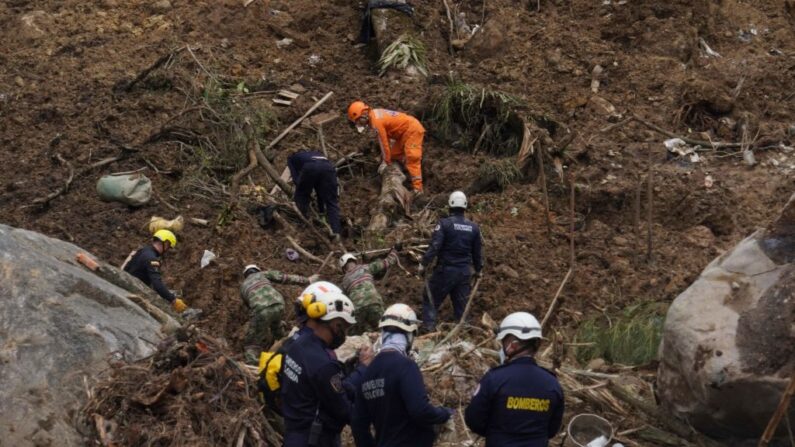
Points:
x=407 y=132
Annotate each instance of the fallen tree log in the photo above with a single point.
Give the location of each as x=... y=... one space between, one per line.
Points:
x=393 y=200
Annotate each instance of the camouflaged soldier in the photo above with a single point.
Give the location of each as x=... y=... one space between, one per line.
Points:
x=358 y=285
x=266 y=307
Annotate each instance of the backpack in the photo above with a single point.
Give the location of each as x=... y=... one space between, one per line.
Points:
x=269 y=376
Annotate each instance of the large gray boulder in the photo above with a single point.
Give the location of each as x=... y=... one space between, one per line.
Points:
x=728 y=346
x=60 y=323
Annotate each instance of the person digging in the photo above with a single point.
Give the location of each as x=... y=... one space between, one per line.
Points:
x=359 y=286
x=145 y=265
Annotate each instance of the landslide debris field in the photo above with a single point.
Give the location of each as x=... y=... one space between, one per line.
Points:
x=700 y=70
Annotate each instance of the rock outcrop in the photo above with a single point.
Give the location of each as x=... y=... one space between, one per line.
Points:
x=728 y=346
x=60 y=323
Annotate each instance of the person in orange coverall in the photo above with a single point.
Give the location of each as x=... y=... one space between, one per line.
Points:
x=405 y=130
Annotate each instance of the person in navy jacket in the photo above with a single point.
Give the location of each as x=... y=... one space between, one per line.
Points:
x=517 y=403
x=456 y=244
x=310 y=171
x=392 y=395
x=316 y=400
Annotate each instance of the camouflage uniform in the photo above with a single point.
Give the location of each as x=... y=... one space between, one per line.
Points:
x=266 y=309
x=358 y=285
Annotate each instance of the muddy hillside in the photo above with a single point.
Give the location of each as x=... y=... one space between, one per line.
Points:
x=182 y=90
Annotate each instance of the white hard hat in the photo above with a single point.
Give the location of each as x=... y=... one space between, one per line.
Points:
x=345 y=258
x=251 y=267
x=316 y=288
x=457 y=200
x=337 y=306
x=521 y=325
x=400 y=316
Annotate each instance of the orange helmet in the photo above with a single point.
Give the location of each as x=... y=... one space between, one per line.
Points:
x=356 y=110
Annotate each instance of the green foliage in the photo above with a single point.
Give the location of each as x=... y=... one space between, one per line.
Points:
x=487 y=117
x=631 y=337
x=497 y=175
x=404 y=51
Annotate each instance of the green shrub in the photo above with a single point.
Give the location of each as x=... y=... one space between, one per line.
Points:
x=631 y=337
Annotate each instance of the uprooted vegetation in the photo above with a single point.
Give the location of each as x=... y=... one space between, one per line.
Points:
x=477 y=118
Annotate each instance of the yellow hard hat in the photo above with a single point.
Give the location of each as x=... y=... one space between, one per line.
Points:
x=166 y=236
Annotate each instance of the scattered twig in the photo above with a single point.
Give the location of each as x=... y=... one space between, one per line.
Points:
x=572 y=257
x=781 y=411
x=302 y=251
x=650 y=208
x=452 y=28
x=235 y=185
x=196 y=59
x=322 y=139
x=636 y=220
x=543 y=178
x=162 y=60
x=464 y=316
x=65 y=188
x=325 y=261
x=554 y=302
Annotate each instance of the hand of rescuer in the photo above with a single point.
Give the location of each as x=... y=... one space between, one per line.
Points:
x=179 y=305
x=366 y=355
x=381 y=167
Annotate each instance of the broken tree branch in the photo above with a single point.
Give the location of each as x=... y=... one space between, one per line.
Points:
x=452 y=27
x=302 y=251
x=263 y=160
x=554 y=302
x=45 y=200
x=780 y=412
x=295 y=123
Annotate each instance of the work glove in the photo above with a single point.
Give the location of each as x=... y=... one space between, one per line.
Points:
x=313 y=278
x=179 y=305
x=381 y=167
x=421 y=270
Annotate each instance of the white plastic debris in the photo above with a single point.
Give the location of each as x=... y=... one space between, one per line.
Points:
x=674 y=143
x=709 y=52
x=679 y=147
x=748 y=157
x=286 y=42
x=709 y=181
x=314 y=60
x=207 y=257
x=601 y=441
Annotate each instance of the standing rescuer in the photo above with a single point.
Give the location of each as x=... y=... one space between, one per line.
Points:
x=358 y=285
x=517 y=403
x=145 y=265
x=311 y=170
x=404 y=129
x=266 y=307
x=392 y=395
x=456 y=244
x=315 y=403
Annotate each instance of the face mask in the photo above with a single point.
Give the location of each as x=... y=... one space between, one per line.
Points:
x=502 y=356
x=337 y=338
x=360 y=128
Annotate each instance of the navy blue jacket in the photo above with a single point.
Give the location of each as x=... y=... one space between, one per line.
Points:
x=392 y=397
x=516 y=404
x=312 y=384
x=297 y=161
x=457 y=243
x=145 y=265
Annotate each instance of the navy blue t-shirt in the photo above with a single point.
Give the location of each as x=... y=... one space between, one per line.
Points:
x=392 y=397
x=518 y=404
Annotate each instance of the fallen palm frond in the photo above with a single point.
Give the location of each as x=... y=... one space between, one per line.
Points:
x=406 y=51
x=630 y=338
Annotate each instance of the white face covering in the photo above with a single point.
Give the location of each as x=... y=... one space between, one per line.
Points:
x=361 y=128
x=502 y=356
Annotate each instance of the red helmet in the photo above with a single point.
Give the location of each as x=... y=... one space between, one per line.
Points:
x=356 y=110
